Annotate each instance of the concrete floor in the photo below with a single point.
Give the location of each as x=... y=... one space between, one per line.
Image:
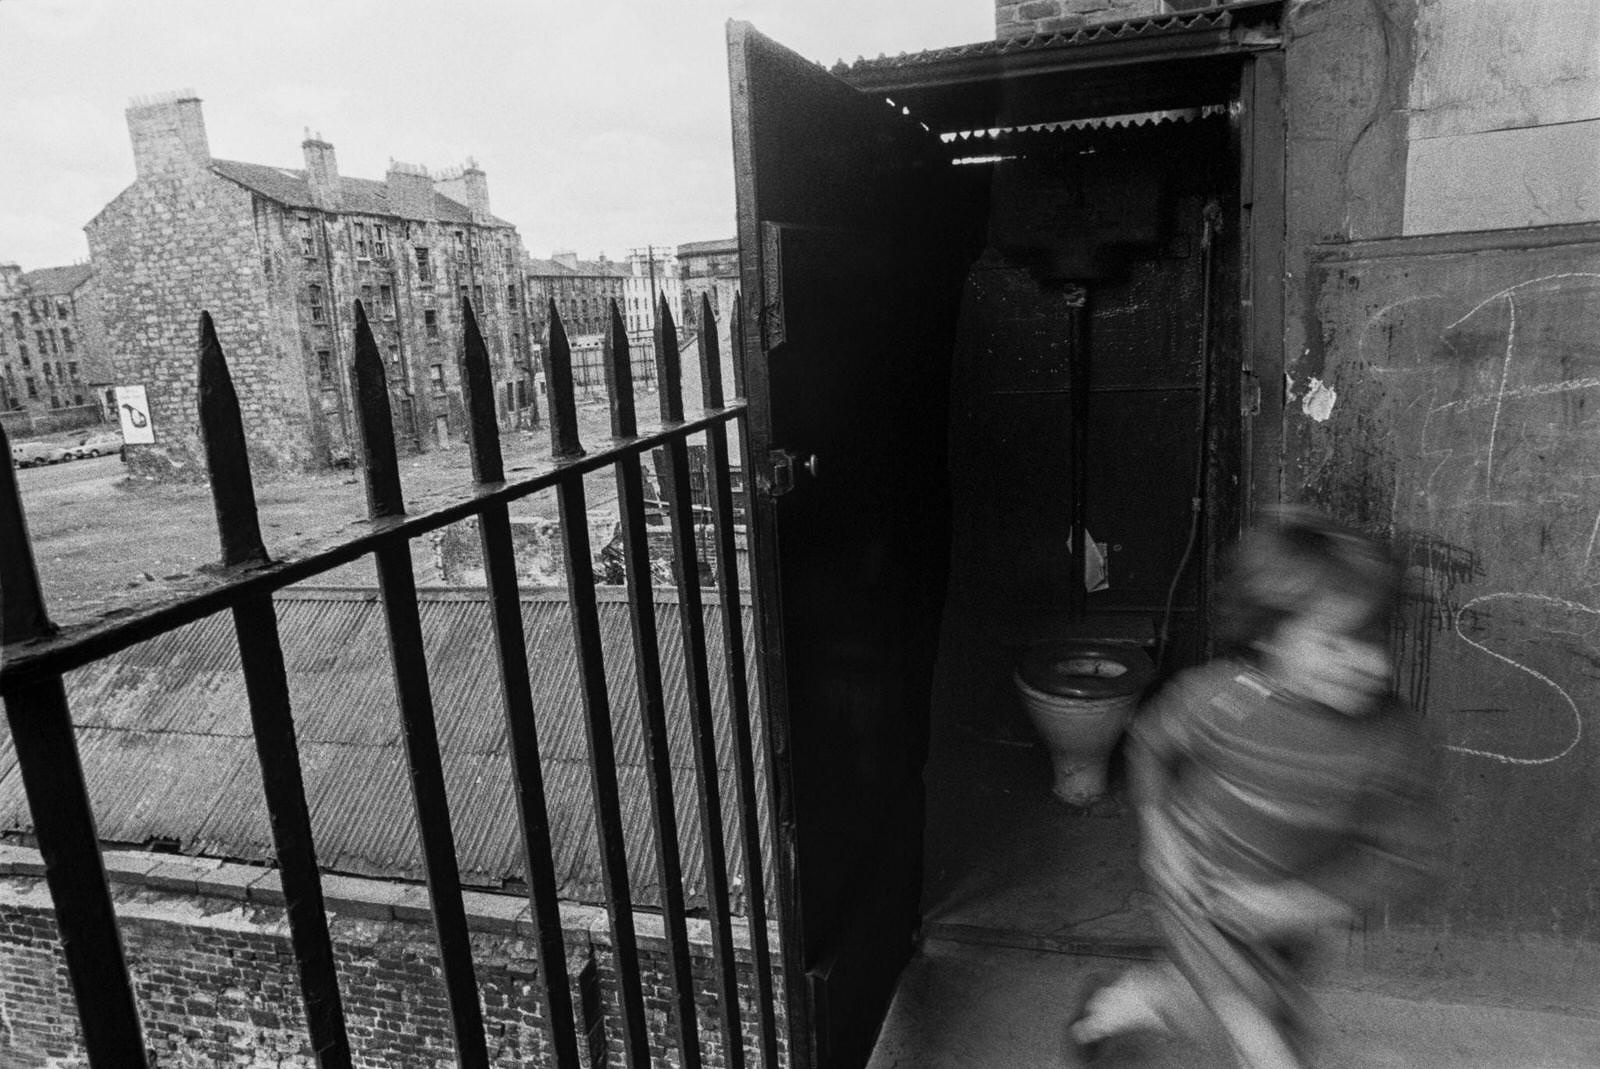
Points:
x=1024 y=898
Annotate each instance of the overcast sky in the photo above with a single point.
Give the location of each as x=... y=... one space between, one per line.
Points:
x=601 y=125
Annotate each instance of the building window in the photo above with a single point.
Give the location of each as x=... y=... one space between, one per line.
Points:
x=33 y=311
x=474 y=245
x=366 y=300
x=380 y=244
x=61 y=310
x=33 y=387
x=66 y=339
x=516 y=344
x=77 y=398
x=308 y=237
x=325 y=368
x=511 y=298
x=16 y=325
x=72 y=369
x=22 y=351
x=477 y=298
x=463 y=291
x=394 y=353
x=359 y=233
x=430 y=322
x=461 y=247
x=436 y=377
x=316 y=303
x=49 y=372
x=424 y=268
x=386 y=301
x=43 y=345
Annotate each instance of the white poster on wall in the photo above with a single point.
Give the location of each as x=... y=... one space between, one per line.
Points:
x=133 y=411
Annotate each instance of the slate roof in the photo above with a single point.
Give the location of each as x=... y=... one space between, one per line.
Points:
x=585 y=269
x=164 y=736
x=58 y=280
x=358 y=196
x=715 y=245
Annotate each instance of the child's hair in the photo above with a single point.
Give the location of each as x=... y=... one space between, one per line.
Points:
x=1282 y=569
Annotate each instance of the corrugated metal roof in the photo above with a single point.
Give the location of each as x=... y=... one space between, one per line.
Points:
x=164 y=737
x=357 y=196
x=1089 y=34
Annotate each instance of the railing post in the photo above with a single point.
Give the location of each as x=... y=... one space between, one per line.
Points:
x=680 y=515
x=63 y=822
x=398 y=588
x=647 y=670
x=494 y=530
x=720 y=489
x=272 y=720
x=596 y=703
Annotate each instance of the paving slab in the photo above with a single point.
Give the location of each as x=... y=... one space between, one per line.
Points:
x=965 y=1006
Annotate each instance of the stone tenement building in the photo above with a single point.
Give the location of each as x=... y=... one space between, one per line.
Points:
x=581 y=289
x=278 y=256
x=54 y=368
x=709 y=269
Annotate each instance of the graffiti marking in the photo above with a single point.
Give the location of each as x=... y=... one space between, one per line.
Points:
x=1577 y=716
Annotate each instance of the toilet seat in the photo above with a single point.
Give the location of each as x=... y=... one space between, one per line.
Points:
x=1086 y=669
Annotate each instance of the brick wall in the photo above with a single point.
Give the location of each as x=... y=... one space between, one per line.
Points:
x=1022 y=18
x=214 y=975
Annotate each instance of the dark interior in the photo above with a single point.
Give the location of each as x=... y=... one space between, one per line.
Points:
x=1093 y=332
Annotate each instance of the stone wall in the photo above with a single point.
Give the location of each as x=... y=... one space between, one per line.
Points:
x=214 y=975
x=165 y=249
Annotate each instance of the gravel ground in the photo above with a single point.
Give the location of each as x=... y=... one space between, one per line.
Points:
x=107 y=543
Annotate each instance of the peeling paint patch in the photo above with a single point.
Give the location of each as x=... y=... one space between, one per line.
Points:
x=1318 y=401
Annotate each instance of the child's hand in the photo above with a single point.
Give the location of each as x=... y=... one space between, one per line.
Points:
x=1267 y=910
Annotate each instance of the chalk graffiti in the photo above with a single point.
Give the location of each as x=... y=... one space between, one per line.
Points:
x=1482 y=419
x=1577 y=716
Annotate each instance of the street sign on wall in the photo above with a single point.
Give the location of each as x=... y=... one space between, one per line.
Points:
x=133 y=411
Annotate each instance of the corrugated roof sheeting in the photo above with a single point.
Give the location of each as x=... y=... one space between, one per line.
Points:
x=164 y=735
x=1089 y=34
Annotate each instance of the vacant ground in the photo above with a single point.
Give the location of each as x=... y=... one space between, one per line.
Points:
x=105 y=542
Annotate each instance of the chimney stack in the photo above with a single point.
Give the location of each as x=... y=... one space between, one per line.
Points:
x=469 y=186
x=409 y=190
x=322 y=172
x=168 y=133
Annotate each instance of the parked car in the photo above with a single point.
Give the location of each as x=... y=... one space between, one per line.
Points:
x=96 y=445
x=32 y=454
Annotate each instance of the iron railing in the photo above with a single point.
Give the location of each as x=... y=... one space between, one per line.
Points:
x=41 y=723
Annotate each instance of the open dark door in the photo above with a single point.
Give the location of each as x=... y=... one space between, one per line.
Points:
x=851 y=285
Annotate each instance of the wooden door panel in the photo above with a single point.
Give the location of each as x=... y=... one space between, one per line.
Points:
x=851 y=289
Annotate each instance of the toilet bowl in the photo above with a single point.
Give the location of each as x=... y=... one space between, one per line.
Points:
x=1080 y=696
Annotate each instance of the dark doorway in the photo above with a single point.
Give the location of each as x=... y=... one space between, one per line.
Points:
x=1094 y=390
x=1000 y=303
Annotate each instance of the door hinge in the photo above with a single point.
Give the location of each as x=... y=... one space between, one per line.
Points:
x=1250 y=395
x=777 y=475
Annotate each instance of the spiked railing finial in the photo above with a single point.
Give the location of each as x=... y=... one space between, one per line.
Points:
x=483 y=430
x=227 y=459
x=377 y=430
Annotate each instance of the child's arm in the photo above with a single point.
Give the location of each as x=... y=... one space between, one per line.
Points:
x=1154 y=756
x=1287 y=907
